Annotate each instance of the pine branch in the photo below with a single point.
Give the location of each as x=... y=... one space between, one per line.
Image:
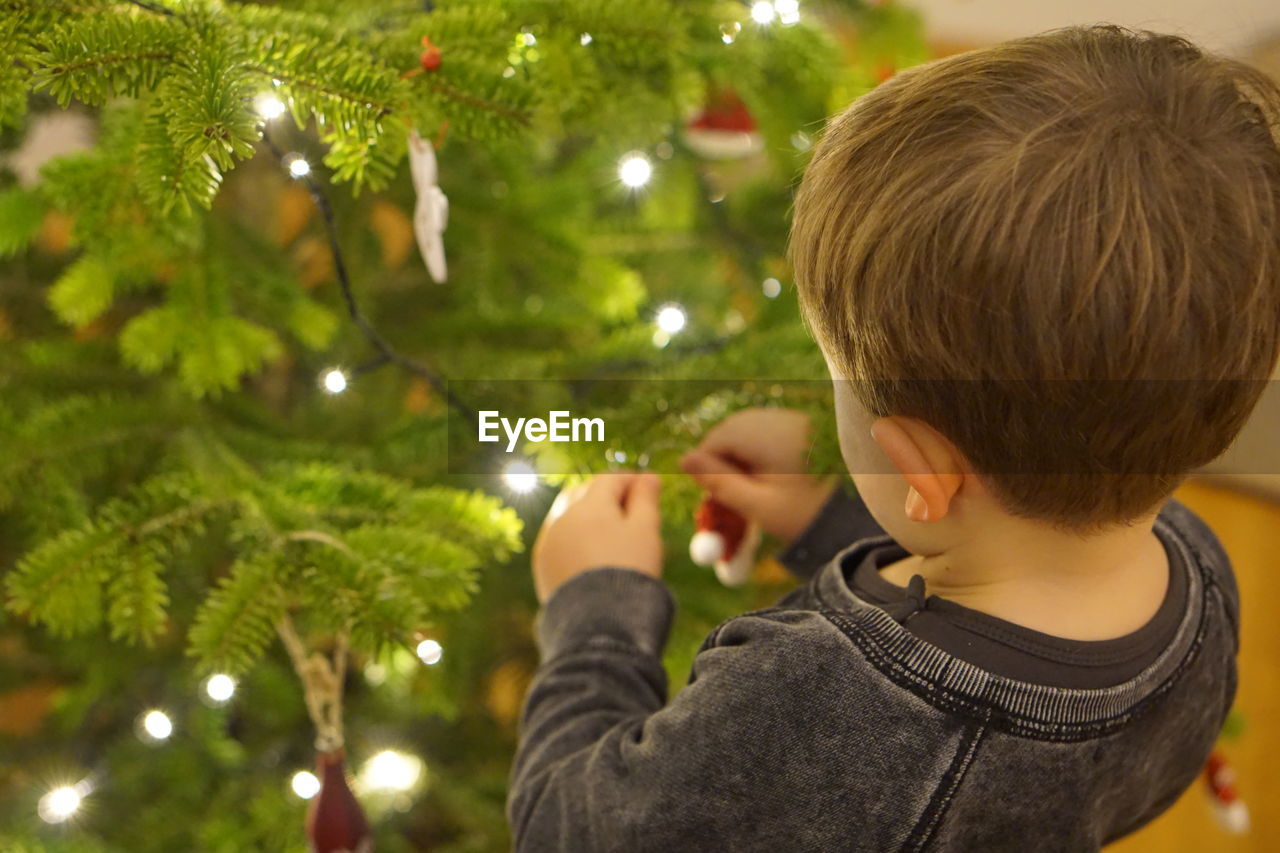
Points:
x=59 y=583
x=237 y=621
x=103 y=54
x=21 y=214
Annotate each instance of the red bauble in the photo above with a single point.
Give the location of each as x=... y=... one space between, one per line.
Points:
x=335 y=821
x=430 y=59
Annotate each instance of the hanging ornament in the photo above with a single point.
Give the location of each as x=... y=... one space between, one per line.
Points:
x=335 y=821
x=724 y=129
x=1230 y=810
x=431 y=213
x=726 y=540
x=430 y=59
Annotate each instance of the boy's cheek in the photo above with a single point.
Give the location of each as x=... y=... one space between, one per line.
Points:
x=886 y=498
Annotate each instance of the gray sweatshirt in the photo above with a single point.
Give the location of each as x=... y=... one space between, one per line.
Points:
x=858 y=715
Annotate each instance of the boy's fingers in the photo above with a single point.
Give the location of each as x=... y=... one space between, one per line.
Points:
x=725 y=482
x=642 y=499
x=732 y=437
x=564 y=500
x=610 y=488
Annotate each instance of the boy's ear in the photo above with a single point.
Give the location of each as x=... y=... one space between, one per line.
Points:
x=930 y=464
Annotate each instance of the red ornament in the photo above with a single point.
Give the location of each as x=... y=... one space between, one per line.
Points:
x=725 y=129
x=335 y=821
x=430 y=59
x=724 y=539
x=884 y=71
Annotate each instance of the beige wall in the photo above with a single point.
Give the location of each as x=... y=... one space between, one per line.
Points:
x=1227 y=26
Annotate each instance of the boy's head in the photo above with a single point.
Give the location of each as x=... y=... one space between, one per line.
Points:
x=1062 y=254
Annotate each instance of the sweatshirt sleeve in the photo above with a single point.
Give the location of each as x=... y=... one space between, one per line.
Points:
x=843 y=520
x=604 y=764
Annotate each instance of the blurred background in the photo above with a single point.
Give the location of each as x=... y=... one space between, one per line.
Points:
x=222 y=346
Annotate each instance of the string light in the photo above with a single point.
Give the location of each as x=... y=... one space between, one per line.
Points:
x=520 y=477
x=430 y=652
x=788 y=11
x=762 y=12
x=269 y=106
x=61 y=803
x=391 y=771
x=298 y=165
x=305 y=784
x=671 y=318
x=634 y=170
x=585 y=39
x=386 y=353
x=220 y=687
x=771 y=287
x=333 y=380
x=156 y=725
x=729 y=32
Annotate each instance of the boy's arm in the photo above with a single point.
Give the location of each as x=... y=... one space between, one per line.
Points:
x=843 y=520
x=602 y=765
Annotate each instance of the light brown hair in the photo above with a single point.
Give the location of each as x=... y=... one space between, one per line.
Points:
x=1062 y=252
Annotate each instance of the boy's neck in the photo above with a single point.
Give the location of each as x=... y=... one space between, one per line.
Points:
x=1082 y=588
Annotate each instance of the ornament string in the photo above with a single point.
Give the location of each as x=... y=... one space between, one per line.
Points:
x=322 y=678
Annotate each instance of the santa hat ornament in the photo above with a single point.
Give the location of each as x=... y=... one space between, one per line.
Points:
x=726 y=540
x=335 y=821
x=1230 y=810
x=724 y=130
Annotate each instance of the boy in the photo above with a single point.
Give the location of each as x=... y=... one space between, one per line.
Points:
x=1010 y=639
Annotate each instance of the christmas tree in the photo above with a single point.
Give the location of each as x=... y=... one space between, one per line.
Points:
x=232 y=528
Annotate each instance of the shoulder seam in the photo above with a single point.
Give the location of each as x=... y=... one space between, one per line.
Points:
x=926 y=827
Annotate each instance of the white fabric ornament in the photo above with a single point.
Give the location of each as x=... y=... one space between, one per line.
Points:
x=431 y=214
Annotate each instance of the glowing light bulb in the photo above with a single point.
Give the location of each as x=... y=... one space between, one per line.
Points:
x=430 y=652
x=771 y=287
x=298 y=166
x=520 y=477
x=391 y=771
x=585 y=39
x=59 y=804
x=220 y=687
x=529 y=39
x=157 y=725
x=635 y=170
x=762 y=12
x=671 y=318
x=334 y=381
x=788 y=11
x=269 y=106
x=305 y=784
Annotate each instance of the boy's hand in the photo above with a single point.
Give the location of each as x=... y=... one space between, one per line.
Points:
x=611 y=520
x=754 y=461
